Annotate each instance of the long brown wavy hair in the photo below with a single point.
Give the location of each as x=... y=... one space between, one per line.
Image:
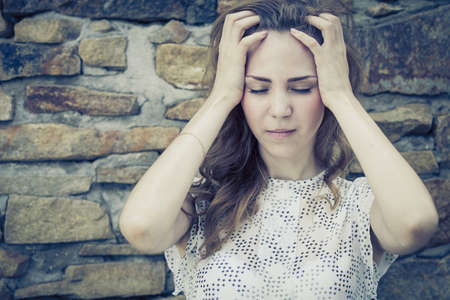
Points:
x=233 y=172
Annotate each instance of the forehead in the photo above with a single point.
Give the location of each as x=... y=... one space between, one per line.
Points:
x=280 y=55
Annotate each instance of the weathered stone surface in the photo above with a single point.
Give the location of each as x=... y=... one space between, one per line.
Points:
x=34 y=142
x=127 y=175
x=193 y=11
x=185 y=110
x=101 y=26
x=32 y=219
x=104 y=52
x=382 y=10
x=6 y=107
x=439 y=189
x=442 y=137
x=46 y=30
x=5 y=293
x=395 y=62
x=173 y=32
x=428 y=277
x=423 y=162
x=12 y=264
x=26 y=60
x=5 y=27
x=182 y=65
x=45 y=179
x=111 y=279
x=411 y=118
x=56 y=98
x=109 y=249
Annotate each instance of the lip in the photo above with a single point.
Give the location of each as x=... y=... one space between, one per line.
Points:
x=280 y=133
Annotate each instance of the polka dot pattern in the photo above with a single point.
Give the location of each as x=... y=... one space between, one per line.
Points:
x=294 y=247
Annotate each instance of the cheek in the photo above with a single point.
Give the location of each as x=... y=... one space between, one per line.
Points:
x=315 y=110
x=251 y=110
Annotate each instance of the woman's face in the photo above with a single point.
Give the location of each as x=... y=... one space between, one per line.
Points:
x=281 y=100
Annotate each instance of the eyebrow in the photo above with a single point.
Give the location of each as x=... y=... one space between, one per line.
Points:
x=300 y=78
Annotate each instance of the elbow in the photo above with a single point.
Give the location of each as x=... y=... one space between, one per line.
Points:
x=423 y=232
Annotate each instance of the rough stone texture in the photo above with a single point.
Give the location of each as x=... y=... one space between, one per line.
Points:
x=104 y=52
x=32 y=219
x=411 y=118
x=127 y=175
x=442 y=137
x=46 y=30
x=57 y=98
x=395 y=62
x=439 y=189
x=172 y=32
x=182 y=65
x=423 y=162
x=35 y=142
x=5 y=293
x=109 y=249
x=45 y=179
x=185 y=110
x=382 y=10
x=26 y=60
x=101 y=26
x=5 y=27
x=110 y=279
x=6 y=107
x=12 y=264
x=428 y=277
x=193 y=11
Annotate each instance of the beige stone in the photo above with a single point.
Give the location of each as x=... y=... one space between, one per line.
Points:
x=109 y=249
x=6 y=107
x=101 y=26
x=439 y=189
x=423 y=162
x=12 y=264
x=104 y=52
x=35 y=142
x=383 y=9
x=185 y=110
x=411 y=118
x=32 y=184
x=46 y=30
x=127 y=175
x=111 y=279
x=31 y=219
x=173 y=32
x=57 y=98
x=182 y=65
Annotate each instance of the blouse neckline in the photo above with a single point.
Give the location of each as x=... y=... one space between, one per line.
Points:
x=315 y=178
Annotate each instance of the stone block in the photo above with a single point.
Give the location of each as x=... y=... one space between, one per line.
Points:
x=126 y=175
x=182 y=65
x=38 y=142
x=382 y=10
x=185 y=110
x=6 y=107
x=442 y=137
x=423 y=162
x=395 y=62
x=439 y=189
x=5 y=293
x=26 y=60
x=101 y=26
x=411 y=118
x=31 y=219
x=13 y=264
x=104 y=52
x=49 y=31
x=111 y=279
x=109 y=249
x=173 y=32
x=57 y=98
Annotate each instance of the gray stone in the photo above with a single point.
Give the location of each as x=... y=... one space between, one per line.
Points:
x=5 y=293
x=6 y=107
x=109 y=249
x=32 y=219
x=112 y=279
x=114 y=199
x=439 y=189
x=26 y=60
x=172 y=32
x=415 y=143
x=442 y=137
x=48 y=31
x=57 y=98
x=382 y=10
x=395 y=62
x=13 y=264
x=101 y=26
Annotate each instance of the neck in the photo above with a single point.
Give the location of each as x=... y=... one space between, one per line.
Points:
x=304 y=166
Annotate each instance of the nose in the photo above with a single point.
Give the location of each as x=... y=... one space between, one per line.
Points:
x=280 y=105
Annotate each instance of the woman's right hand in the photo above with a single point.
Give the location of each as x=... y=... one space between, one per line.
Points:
x=230 y=72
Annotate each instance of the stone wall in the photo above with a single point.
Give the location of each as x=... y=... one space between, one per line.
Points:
x=93 y=91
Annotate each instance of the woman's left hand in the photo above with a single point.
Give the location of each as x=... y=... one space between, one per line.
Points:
x=330 y=57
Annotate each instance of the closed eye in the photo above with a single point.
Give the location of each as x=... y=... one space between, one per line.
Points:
x=302 y=91
x=253 y=91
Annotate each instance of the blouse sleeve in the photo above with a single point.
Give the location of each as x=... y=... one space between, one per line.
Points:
x=182 y=267
x=364 y=200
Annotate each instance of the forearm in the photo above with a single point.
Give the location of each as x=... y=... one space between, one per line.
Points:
x=157 y=198
x=400 y=193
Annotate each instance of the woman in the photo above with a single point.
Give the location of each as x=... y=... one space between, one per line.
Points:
x=270 y=217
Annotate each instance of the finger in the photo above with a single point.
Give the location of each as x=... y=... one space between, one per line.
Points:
x=330 y=17
x=329 y=29
x=230 y=19
x=305 y=39
x=241 y=25
x=252 y=39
